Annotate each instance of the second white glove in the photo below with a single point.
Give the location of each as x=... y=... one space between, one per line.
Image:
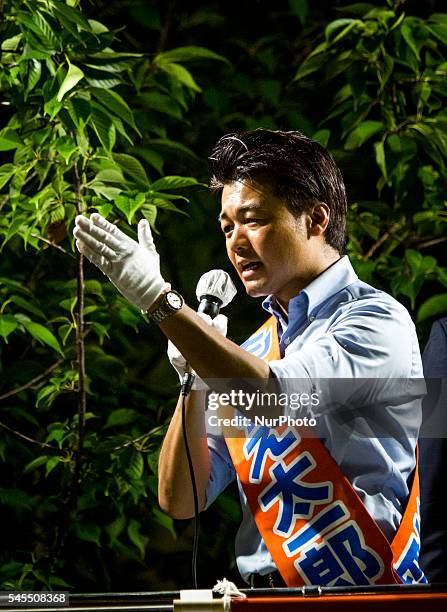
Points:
x=220 y=323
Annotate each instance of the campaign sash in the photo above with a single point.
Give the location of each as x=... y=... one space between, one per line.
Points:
x=312 y=521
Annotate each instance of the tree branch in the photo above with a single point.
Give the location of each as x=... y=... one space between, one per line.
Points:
x=76 y=463
x=53 y=244
x=80 y=346
x=28 y=439
x=381 y=240
x=32 y=382
x=132 y=442
x=429 y=243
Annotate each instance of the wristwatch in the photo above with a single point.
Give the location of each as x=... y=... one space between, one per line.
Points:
x=171 y=302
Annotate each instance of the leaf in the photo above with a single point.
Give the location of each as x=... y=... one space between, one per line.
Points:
x=97 y=27
x=37 y=24
x=129 y=316
x=300 y=8
x=65 y=146
x=108 y=192
x=8 y=323
x=115 y=529
x=140 y=541
x=166 y=521
x=51 y=464
x=187 y=54
x=438 y=18
x=9 y=140
x=439 y=31
x=229 y=507
x=432 y=307
x=165 y=204
x=104 y=82
x=150 y=213
x=173 y=182
x=387 y=71
x=128 y=206
x=35 y=463
x=161 y=103
x=322 y=137
x=71 y=14
x=121 y=416
x=17 y=499
x=414 y=259
x=132 y=168
x=407 y=34
x=180 y=74
x=312 y=63
x=7 y=171
x=110 y=175
x=11 y=44
x=363 y=132
x=89 y=532
x=43 y=335
x=72 y=78
x=151 y=157
x=15 y=285
x=165 y=143
x=115 y=103
x=379 y=150
x=79 y=110
x=26 y=304
x=336 y=25
x=34 y=73
x=136 y=466
x=103 y=127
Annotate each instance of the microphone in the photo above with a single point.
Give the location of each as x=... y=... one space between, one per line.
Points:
x=214 y=291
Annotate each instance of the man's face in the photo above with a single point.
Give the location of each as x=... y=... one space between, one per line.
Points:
x=266 y=243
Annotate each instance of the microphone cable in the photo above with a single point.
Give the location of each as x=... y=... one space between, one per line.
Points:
x=214 y=290
x=187 y=382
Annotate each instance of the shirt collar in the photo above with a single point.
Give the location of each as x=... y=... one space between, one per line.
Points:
x=338 y=276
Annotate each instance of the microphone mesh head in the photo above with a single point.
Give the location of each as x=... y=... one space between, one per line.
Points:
x=218 y=284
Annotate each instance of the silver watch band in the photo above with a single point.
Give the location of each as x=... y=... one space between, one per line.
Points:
x=171 y=303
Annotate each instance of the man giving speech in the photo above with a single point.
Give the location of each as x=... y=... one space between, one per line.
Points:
x=336 y=508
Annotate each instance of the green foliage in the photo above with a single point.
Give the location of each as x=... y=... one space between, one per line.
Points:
x=97 y=117
x=79 y=444
x=387 y=71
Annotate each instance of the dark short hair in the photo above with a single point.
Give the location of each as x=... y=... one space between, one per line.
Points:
x=296 y=169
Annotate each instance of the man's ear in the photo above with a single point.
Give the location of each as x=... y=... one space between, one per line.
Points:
x=318 y=219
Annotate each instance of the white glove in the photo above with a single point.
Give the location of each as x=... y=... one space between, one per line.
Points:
x=133 y=267
x=220 y=323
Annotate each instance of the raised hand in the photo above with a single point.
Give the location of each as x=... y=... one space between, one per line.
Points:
x=133 y=267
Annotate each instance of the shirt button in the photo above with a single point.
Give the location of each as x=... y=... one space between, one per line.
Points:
x=287 y=341
x=312 y=318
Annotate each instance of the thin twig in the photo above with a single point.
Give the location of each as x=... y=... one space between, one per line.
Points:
x=82 y=403
x=430 y=243
x=53 y=244
x=132 y=442
x=27 y=438
x=164 y=32
x=62 y=528
x=32 y=382
x=381 y=240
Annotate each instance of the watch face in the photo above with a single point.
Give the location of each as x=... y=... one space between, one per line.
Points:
x=174 y=300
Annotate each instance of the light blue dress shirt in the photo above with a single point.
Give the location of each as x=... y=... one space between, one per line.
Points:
x=340 y=327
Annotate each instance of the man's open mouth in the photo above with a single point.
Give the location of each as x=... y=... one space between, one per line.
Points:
x=249 y=267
